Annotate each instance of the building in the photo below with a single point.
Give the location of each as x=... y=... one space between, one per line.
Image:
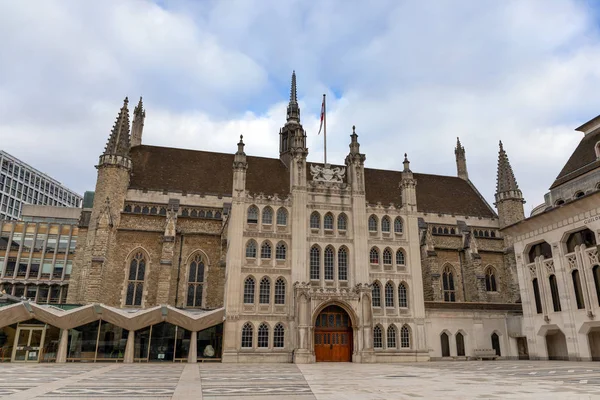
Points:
x=190 y=254
x=556 y=251
x=22 y=184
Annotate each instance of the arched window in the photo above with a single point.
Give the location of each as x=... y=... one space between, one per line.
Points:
x=315 y=263
x=328 y=263
x=278 y=336
x=391 y=337
x=453 y=231
x=385 y=224
x=398 y=225
x=480 y=233
x=460 y=345
x=279 y=291
x=486 y=234
x=490 y=280
x=249 y=285
x=377 y=339
x=374 y=255
x=135 y=283
x=405 y=337
x=596 y=273
x=402 y=295
x=540 y=249
x=493 y=234
x=584 y=237
x=342 y=222
x=315 y=220
x=267 y=216
x=342 y=264
x=496 y=343
x=195 y=282
x=280 y=251
x=328 y=222
x=446 y=231
x=448 y=285
x=252 y=215
x=137 y=209
x=400 y=258
x=554 y=292
x=536 y=295
x=579 y=194
x=265 y=251
x=376 y=293
x=387 y=257
x=559 y=202
x=247 y=333
x=445 y=344
x=264 y=293
x=251 y=249
x=263 y=335
x=434 y=230
x=389 y=294
x=372 y=223
x=577 y=289
x=282 y=216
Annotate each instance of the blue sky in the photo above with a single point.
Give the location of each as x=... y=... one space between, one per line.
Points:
x=411 y=75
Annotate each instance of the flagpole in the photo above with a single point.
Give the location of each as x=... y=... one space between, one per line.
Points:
x=325 y=129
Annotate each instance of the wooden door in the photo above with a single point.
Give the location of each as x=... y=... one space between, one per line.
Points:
x=333 y=336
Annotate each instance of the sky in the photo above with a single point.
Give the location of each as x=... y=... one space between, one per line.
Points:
x=411 y=75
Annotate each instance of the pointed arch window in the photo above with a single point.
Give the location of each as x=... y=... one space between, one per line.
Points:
x=377 y=337
x=249 y=286
x=402 y=295
x=490 y=280
x=267 y=216
x=496 y=343
x=265 y=251
x=263 y=336
x=460 y=345
x=279 y=291
x=387 y=257
x=315 y=263
x=400 y=259
x=554 y=292
x=280 y=251
x=385 y=224
x=577 y=289
x=328 y=263
x=342 y=222
x=389 y=294
x=251 y=249
x=252 y=215
x=374 y=255
x=315 y=220
x=135 y=283
x=342 y=264
x=328 y=222
x=536 y=295
x=195 y=282
x=282 y=217
x=376 y=293
x=247 y=333
x=391 y=337
x=264 y=293
x=405 y=337
x=448 y=285
x=278 y=336
x=398 y=225
x=372 y=223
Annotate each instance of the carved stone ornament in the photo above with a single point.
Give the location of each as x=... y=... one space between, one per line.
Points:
x=327 y=174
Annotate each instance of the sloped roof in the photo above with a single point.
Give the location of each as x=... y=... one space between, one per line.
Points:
x=192 y=171
x=581 y=161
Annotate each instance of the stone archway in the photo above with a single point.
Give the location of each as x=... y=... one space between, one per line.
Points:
x=594 y=341
x=333 y=335
x=556 y=344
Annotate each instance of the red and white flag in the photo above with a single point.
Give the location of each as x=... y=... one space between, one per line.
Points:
x=322 y=115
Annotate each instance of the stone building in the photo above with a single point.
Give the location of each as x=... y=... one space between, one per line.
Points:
x=298 y=261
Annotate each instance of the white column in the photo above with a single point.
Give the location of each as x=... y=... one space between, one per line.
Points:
x=61 y=353
x=193 y=350
x=130 y=347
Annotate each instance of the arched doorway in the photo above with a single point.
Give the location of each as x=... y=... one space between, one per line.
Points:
x=333 y=335
x=556 y=344
x=445 y=344
x=496 y=344
x=594 y=340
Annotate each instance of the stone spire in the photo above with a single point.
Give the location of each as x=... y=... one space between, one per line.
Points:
x=408 y=186
x=509 y=199
x=137 y=127
x=293 y=111
x=461 y=161
x=406 y=164
x=118 y=142
x=354 y=145
x=506 y=181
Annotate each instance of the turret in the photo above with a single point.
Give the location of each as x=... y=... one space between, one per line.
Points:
x=461 y=161
x=137 y=127
x=408 y=186
x=239 y=168
x=509 y=199
x=292 y=137
x=355 y=164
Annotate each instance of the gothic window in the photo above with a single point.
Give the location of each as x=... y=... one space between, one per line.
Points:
x=328 y=222
x=579 y=194
x=264 y=293
x=267 y=216
x=251 y=249
x=282 y=216
x=278 y=336
x=374 y=255
x=342 y=264
x=460 y=345
x=577 y=289
x=252 y=215
x=445 y=344
x=554 y=292
x=434 y=230
x=279 y=291
x=391 y=337
x=247 y=333
x=145 y=210
x=217 y=215
x=203 y=214
x=153 y=211
x=185 y=212
x=265 y=251
x=448 y=285
x=446 y=231
x=596 y=273
x=496 y=343
x=490 y=280
x=315 y=263
x=584 y=237
x=127 y=208
x=137 y=209
x=480 y=233
x=135 y=284
x=400 y=258
x=342 y=222
x=195 y=213
x=315 y=220
x=389 y=294
x=493 y=234
x=453 y=231
x=387 y=257
x=195 y=282
x=486 y=233
x=249 y=285
x=328 y=263
x=377 y=339
x=385 y=224
x=372 y=223
x=263 y=335
x=376 y=295
x=541 y=249
x=402 y=295
x=280 y=251
x=398 y=225
x=536 y=295
x=405 y=337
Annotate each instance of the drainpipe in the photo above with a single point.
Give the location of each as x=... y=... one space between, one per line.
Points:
x=178 y=271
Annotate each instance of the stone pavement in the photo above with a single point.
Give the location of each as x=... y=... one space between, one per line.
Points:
x=433 y=380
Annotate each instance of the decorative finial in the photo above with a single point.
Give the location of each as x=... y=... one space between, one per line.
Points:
x=501 y=147
x=354 y=129
x=126 y=101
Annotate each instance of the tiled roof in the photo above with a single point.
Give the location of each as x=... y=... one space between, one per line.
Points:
x=191 y=171
x=581 y=161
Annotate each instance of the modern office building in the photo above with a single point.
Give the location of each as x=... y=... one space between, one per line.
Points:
x=22 y=184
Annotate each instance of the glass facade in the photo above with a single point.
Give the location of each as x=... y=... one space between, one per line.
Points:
x=162 y=342
x=210 y=342
x=97 y=341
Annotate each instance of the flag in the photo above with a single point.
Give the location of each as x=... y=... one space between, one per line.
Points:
x=322 y=115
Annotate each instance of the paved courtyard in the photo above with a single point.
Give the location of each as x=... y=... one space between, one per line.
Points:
x=434 y=380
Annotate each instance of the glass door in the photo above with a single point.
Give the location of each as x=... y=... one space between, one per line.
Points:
x=28 y=343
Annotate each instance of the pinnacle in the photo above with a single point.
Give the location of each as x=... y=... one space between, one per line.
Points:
x=293 y=111
x=118 y=141
x=506 y=179
x=293 y=94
